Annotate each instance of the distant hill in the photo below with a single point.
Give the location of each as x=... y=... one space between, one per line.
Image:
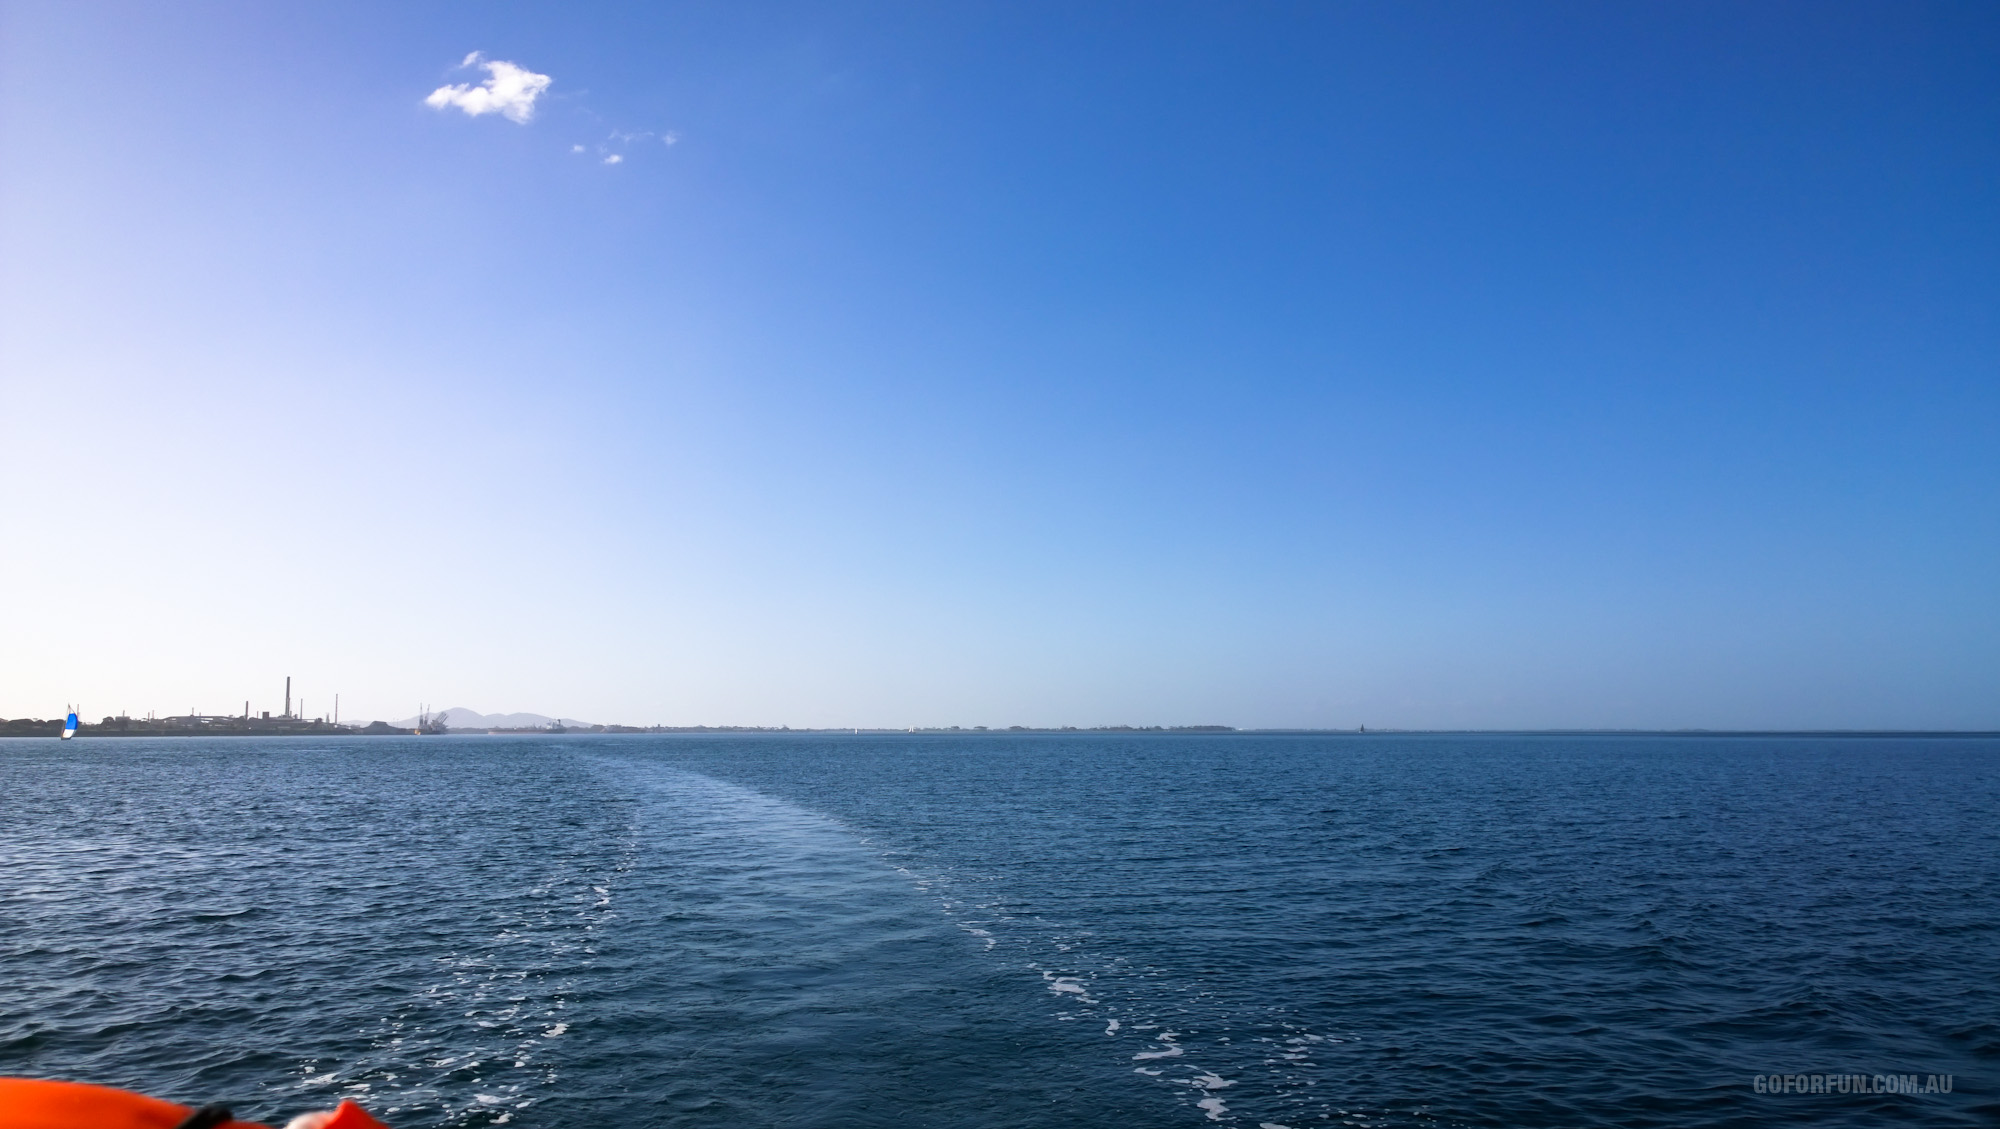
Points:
x=458 y=717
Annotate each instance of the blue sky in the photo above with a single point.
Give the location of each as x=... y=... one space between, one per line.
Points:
x=1262 y=364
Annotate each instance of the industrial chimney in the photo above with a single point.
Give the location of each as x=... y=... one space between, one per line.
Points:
x=288 y=695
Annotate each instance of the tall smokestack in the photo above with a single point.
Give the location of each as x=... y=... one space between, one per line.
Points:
x=288 y=695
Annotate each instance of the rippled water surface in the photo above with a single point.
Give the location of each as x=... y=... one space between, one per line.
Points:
x=998 y=930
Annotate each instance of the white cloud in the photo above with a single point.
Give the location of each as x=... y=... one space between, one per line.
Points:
x=576 y=148
x=509 y=91
x=614 y=159
x=670 y=138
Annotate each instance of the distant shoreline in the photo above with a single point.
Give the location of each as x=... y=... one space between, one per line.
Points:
x=36 y=728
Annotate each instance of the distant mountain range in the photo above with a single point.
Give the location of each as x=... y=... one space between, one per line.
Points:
x=458 y=717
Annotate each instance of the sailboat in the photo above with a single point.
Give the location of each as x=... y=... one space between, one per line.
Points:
x=69 y=726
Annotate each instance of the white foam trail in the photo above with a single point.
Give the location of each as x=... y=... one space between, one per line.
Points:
x=1214 y=1107
x=1068 y=985
x=1111 y=1028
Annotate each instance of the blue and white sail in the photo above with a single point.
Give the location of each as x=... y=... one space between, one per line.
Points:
x=69 y=726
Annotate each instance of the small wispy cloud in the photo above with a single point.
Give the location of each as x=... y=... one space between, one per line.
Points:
x=510 y=90
x=613 y=149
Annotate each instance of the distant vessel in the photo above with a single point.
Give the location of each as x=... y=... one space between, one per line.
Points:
x=69 y=726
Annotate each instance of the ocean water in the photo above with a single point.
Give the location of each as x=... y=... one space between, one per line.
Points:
x=991 y=930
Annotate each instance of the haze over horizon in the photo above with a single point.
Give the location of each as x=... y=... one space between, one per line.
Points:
x=1417 y=366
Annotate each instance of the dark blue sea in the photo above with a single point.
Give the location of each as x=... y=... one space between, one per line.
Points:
x=991 y=931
